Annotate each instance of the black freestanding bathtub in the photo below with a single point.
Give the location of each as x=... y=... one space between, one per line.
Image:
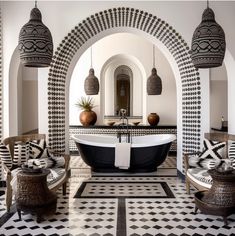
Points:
x=147 y=152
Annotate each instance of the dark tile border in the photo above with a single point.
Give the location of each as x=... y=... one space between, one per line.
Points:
x=164 y=185
x=121 y=217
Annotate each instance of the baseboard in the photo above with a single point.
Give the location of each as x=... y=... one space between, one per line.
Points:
x=181 y=175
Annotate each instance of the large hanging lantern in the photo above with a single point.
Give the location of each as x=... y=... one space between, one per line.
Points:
x=154 y=82
x=91 y=85
x=208 y=42
x=35 y=42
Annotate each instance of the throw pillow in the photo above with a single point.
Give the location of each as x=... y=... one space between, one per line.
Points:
x=210 y=157
x=5 y=156
x=212 y=150
x=21 y=153
x=37 y=149
x=48 y=162
x=195 y=161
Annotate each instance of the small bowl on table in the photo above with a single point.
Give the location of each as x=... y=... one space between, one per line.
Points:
x=110 y=123
x=135 y=123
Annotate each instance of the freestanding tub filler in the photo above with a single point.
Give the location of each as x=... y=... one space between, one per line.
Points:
x=147 y=152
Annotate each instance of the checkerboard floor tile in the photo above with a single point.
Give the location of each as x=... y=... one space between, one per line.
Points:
x=120 y=216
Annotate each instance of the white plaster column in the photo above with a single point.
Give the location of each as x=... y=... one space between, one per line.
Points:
x=205 y=102
x=43 y=101
x=230 y=67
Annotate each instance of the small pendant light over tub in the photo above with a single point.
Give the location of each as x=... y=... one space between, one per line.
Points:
x=91 y=85
x=208 y=43
x=154 y=82
x=35 y=42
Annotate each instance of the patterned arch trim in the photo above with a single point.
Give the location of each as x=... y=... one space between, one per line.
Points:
x=1 y=107
x=133 y=18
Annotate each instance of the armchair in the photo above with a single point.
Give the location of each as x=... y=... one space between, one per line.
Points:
x=55 y=182
x=198 y=176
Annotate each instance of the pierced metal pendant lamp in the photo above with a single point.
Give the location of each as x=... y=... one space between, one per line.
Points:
x=154 y=82
x=91 y=85
x=35 y=41
x=208 y=42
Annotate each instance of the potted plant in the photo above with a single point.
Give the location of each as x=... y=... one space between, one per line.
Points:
x=87 y=116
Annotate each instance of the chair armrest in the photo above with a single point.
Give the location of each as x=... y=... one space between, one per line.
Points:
x=6 y=169
x=186 y=157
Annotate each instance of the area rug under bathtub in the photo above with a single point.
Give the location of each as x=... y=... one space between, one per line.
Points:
x=123 y=189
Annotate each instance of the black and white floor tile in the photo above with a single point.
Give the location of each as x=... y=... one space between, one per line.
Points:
x=153 y=213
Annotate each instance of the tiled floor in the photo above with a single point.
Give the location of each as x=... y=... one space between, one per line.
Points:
x=149 y=213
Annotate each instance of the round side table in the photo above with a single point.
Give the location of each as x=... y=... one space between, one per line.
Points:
x=33 y=195
x=220 y=198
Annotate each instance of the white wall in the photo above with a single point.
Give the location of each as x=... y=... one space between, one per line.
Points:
x=218 y=96
x=29 y=99
x=125 y=49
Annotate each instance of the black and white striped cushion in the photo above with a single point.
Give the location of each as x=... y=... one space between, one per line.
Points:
x=21 y=153
x=5 y=156
x=231 y=153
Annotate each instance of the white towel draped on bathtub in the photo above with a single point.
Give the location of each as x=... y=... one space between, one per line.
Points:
x=122 y=155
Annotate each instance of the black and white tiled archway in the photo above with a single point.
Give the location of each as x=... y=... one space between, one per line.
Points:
x=128 y=18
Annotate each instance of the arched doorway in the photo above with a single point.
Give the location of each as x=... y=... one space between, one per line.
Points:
x=125 y=19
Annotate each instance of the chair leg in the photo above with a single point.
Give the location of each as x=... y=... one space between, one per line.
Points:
x=187 y=182
x=8 y=196
x=64 y=188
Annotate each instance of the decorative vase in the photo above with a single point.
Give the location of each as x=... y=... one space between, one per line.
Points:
x=153 y=119
x=88 y=118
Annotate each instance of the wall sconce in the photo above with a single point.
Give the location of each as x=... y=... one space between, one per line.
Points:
x=35 y=41
x=154 y=82
x=91 y=85
x=208 y=42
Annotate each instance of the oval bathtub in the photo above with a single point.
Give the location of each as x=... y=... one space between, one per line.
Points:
x=147 y=152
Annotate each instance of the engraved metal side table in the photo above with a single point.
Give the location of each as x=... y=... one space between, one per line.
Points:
x=220 y=198
x=33 y=195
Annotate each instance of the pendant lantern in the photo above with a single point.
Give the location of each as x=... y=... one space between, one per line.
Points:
x=208 y=42
x=91 y=85
x=154 y=82
x=35 y=42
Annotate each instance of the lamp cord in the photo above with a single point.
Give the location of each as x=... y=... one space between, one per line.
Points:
x=153 y=56
x=91 y=56
x=36 y=4
x=207 y=2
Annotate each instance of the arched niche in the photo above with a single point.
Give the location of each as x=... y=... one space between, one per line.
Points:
x=107 y=84
x=123 y=90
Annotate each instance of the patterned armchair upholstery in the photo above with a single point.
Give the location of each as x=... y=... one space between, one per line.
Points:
x=198 y=176
x=57 y=178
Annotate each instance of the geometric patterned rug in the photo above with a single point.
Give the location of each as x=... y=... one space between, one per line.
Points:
x=124 y=190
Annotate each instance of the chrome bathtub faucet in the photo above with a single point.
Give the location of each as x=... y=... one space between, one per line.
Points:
x=124 y=125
